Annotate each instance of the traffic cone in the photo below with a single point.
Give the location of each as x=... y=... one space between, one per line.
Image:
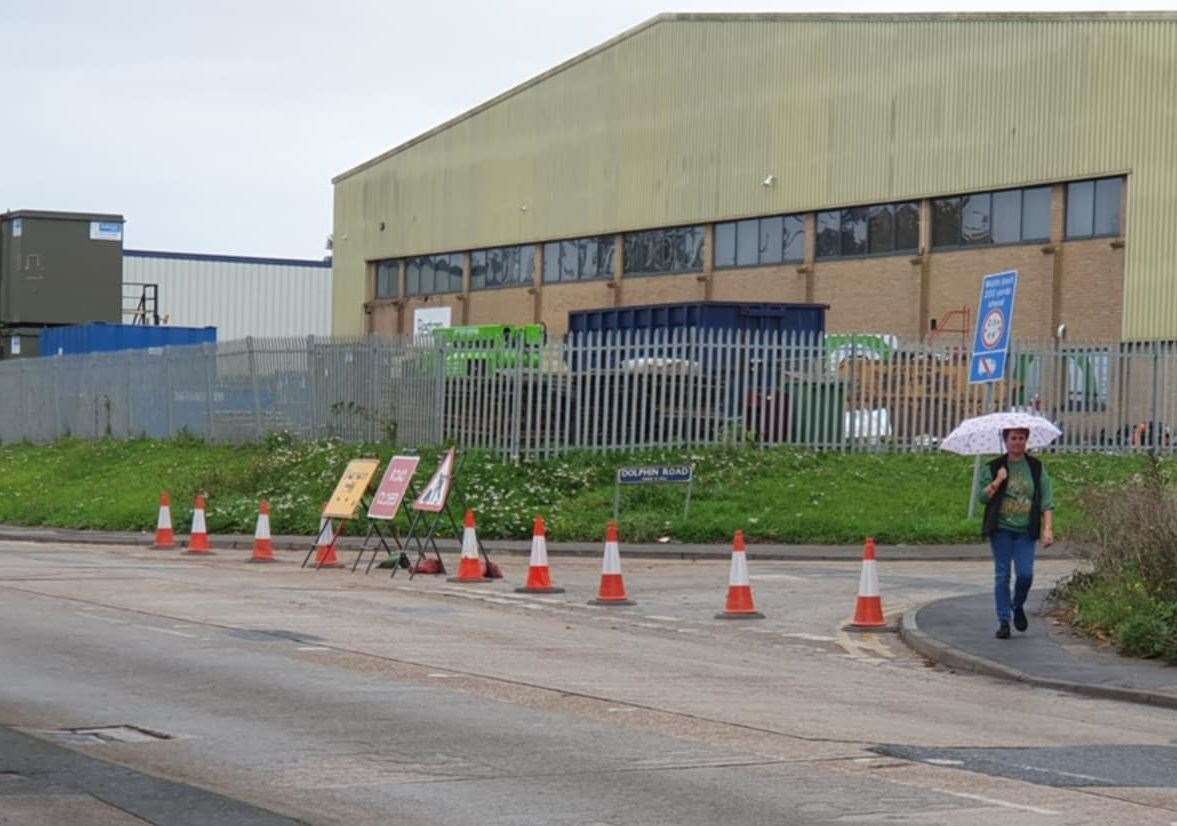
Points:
x=198 y=541
x=868 y=609
x=263 y=545
x=325 y=554
x=739 y=589
x=612 y=590
x=539 y=577
x=165 y=539
x=470 y=566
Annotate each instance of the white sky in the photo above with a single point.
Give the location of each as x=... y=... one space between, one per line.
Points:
x=216 y=126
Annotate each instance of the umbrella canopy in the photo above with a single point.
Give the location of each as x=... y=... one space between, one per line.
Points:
x=982 y=434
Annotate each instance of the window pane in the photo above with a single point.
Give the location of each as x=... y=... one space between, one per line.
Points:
x=881 y=228
x=586 y=258
x=452 y=264
x=551 y=263
x=565 y=260
x=725 y=245
x=692 y=247
x=426 y=276
x=605 y=250
x=829 y=238
x=664 y=250
x=771 y=239
x=747 y=243
x=794 y=238
x=1107 y=206
x=1080 y=209
x=1036 y=214
x=526 y=264
x=946 y=222
x=974 y=220
x=907 y=227
x=413 y=277
x=478 y=270
x=386 y=278
x=854 y=222
x=1007 y=216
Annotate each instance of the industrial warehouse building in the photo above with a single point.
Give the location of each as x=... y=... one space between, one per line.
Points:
x=239 y=295
x=880 y=164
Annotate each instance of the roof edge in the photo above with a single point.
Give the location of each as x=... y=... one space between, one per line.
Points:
x=766 y=17
x=62 y=216
x=228 y=259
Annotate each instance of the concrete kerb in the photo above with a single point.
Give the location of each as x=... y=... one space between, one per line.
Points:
x=665 y=551
x=946 y=655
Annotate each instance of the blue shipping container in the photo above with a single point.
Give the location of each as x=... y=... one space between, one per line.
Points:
x=107 y=338
x=657 y=324
x=703 y=315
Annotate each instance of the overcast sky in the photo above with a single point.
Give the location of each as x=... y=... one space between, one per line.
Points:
x=216 y=126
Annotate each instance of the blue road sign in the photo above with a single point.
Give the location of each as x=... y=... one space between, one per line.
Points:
x=995 y=319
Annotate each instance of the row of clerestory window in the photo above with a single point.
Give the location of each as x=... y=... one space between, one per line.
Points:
x=1008 y=216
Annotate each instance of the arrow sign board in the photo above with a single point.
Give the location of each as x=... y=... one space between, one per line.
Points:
x=995 y=319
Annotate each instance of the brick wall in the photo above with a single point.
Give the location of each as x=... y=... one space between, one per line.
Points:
x=955 y=282
x=778 y=284
x=877 y=295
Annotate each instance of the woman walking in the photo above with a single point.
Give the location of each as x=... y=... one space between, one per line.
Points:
x=1019 y=511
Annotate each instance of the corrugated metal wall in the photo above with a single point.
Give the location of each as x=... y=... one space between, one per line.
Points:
x=239 y=297
x=681 y=120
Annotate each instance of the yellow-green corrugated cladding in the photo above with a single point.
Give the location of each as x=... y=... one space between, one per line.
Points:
x=681 y=121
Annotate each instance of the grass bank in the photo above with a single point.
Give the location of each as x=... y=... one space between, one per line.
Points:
x=776 y=495
x=1129 y=597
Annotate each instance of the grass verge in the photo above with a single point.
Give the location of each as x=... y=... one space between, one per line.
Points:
x=776 y=495
x=1129 y=597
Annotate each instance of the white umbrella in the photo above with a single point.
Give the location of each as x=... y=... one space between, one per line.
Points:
x=982 y=434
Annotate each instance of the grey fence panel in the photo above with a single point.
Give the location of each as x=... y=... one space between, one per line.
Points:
x=601 y=391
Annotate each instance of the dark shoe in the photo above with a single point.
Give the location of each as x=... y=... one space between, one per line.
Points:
x=1003 y=631
x=1020 y=621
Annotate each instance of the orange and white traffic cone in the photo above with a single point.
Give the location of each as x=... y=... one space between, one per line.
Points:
x=868 y=609
x=470 y=567
x=325 y=544
x=612 y=590
x=165 y=539
x=739 y=588
x=263 y=545
x=198 y=540
x=539 y=576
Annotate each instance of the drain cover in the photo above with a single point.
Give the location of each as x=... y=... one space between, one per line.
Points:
x=110 y=734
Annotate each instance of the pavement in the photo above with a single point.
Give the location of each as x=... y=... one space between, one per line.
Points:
x=652 y=550
x=958 y=632
x=45 y=784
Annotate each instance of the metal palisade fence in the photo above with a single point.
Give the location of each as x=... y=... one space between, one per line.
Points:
x=605 y=392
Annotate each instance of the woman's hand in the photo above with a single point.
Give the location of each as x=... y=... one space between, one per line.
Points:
x=991 y=488
x=1047 y=537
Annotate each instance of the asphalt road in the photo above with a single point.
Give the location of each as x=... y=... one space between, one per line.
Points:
x=278 y=694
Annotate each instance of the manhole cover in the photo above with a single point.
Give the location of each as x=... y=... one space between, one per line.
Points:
x=271 y=635
x=108 y=734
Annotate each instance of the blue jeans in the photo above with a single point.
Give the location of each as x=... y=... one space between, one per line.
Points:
x=1017 y=548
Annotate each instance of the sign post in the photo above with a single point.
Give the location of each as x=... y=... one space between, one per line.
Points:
x=989 y=360
x=654 y=475
x=348 y=495
x=385 y=506
x=435 y=500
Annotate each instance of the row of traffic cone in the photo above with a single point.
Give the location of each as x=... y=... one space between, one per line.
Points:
x=868 y=609
x=198 y=542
